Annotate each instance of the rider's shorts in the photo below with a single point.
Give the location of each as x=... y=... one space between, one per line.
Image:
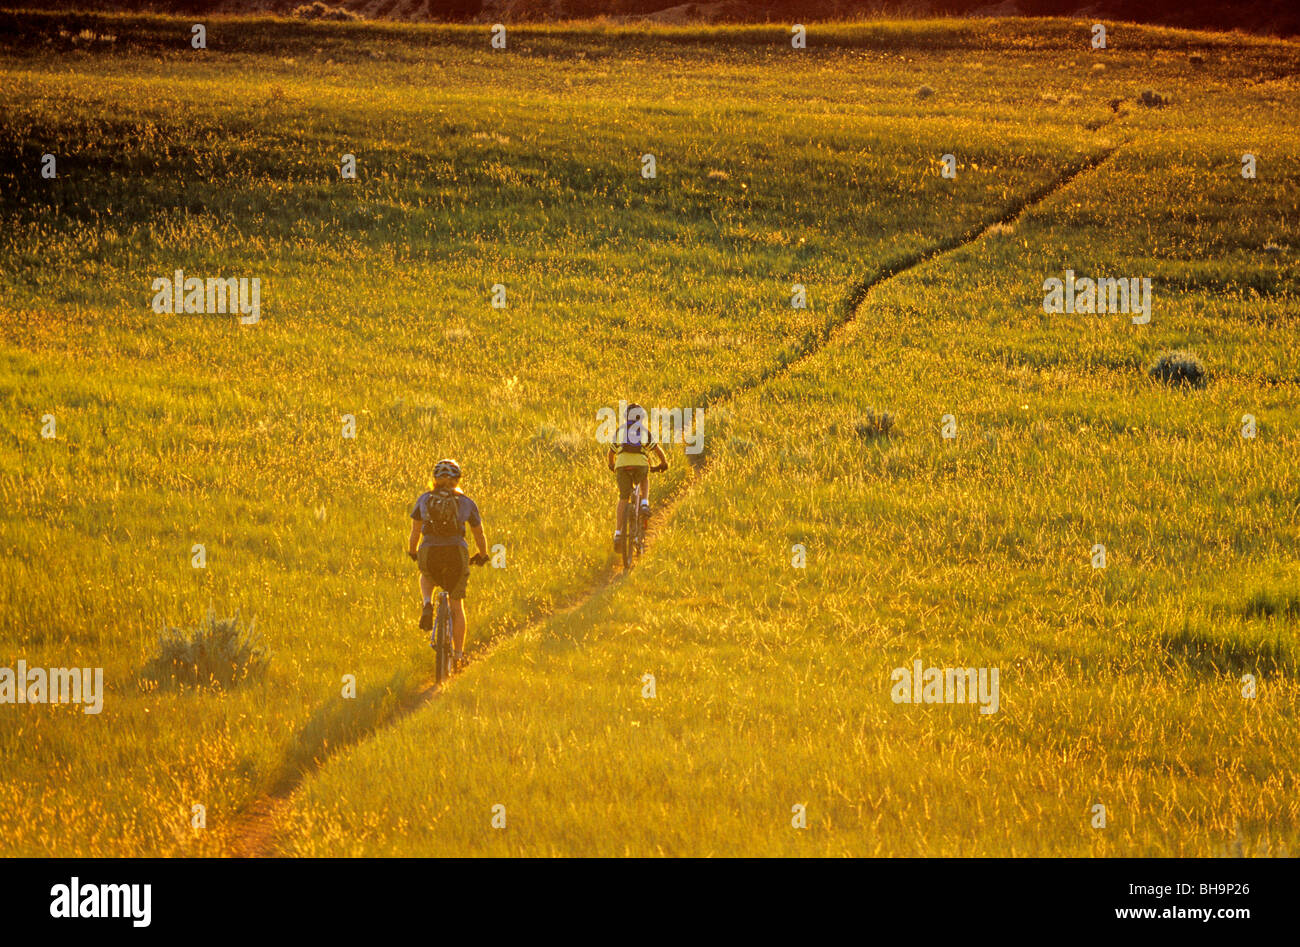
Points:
x=447 y=566
x=627 y=478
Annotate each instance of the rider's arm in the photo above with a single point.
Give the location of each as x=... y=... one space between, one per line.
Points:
x=413 y=544
x=611 y=457
x=659 y=451
x=479 y=539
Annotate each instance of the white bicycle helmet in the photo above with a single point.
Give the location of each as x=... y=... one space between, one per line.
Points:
x=446 y=468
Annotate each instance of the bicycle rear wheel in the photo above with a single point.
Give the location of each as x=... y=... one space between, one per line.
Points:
x=628 y=526
x=442 y=649
x=638 y=533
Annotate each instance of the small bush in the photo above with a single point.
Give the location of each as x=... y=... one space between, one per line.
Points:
x=1152 y=99
x=924 y=92
x=323 y=11
x=1179 y=369
x=874 y=425
x=218 y=653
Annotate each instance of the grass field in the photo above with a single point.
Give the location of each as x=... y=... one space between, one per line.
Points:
x=1119 y=686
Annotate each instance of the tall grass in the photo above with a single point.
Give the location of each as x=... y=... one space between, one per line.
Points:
x=524 y=170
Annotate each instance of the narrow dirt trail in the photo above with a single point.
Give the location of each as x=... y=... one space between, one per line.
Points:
x=253 y=833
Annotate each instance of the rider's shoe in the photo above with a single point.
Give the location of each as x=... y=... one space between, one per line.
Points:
x=645 y=509
x=426 y=617
x=458 y=661
x=618 y=540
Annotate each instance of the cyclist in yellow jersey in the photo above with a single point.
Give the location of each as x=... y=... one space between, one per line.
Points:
x=629 y=458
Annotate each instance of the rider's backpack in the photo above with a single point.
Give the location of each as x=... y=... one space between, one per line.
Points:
x=442 y=514
x=634 y=438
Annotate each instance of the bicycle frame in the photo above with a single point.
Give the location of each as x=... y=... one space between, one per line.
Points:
x=633 y=529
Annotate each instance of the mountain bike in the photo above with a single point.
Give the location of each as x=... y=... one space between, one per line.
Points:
x=633 y=526
x=440 y=639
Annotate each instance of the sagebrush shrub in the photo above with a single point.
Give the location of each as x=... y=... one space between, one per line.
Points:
x=216 y=653
x=874 y=425
x=1179 y=369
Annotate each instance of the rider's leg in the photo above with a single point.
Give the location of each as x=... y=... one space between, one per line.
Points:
x=426 y=592
x=458 y=624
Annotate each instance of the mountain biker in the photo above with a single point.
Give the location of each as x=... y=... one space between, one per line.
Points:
x=627 y=458
x=438 y=525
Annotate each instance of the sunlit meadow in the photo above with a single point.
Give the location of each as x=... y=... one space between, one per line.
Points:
x=1120 y=686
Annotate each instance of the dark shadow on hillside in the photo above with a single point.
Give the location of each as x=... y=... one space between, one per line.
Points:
x=1255 y=16
x=1229 y=653
x=1272 y=603
x=340 y=722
